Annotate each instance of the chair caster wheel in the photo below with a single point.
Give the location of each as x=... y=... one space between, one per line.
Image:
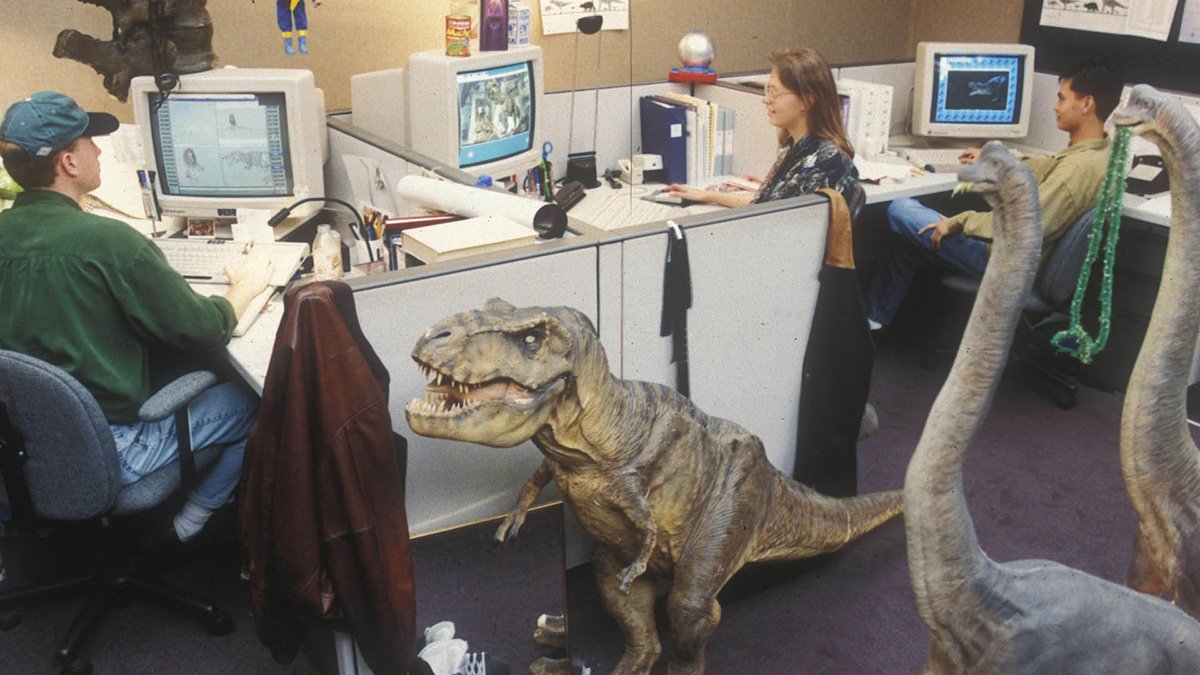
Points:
x=220 y=623
x=77 y=666
x=9 y=619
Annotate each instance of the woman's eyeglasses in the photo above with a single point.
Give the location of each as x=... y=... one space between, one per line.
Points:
x=772 y=93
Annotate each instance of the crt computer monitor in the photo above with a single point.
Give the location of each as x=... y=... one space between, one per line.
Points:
x=972 y=90
x=233 y=138
x=480 y=113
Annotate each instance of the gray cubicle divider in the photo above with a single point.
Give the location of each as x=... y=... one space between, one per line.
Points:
x=754 y=289
x=452 y=483
x=754 y=276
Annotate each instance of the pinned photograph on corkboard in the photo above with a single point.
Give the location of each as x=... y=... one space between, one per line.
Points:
x=561 y=16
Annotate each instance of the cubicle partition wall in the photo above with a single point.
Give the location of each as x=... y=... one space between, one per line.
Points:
x=754 y=288
x=754 y=278
x=451 y=483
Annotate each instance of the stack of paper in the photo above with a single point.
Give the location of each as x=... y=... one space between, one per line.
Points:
x=462 y=238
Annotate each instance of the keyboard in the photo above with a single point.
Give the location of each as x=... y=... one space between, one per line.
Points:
x=203 y=261
x=940 y=159
x=620 y=210
x=922 y=157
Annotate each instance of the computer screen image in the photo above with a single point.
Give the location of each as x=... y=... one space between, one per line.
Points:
x=232 y=139
x=480 y=114
x=495 y=113
x=222 y=145
x=972 y=90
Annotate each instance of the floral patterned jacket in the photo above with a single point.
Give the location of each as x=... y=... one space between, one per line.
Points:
x=809 y=165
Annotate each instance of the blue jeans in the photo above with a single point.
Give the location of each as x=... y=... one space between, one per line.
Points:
x=221 y=415
x=911 y=251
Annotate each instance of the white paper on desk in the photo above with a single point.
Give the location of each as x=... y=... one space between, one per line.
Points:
x=369 y=184
x=470 y=201
x=252 y=225
x=877 y=172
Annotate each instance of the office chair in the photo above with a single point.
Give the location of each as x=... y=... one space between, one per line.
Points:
x=59 y=462
x=856 y=199
x=1052 y=289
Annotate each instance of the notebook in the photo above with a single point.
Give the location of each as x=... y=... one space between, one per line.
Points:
x=462 y=238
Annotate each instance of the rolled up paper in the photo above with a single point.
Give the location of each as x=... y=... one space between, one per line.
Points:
x=548 y=219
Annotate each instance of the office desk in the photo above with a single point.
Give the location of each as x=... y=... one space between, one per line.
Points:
x=916 y=186
x=250 y=354
x=1141 y=249
x=609 y=208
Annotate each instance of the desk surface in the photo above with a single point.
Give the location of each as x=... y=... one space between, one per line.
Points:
x=251 y=353
x=611 y=208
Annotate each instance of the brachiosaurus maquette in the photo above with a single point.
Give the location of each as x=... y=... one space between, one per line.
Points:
x=662 y=488
x=1158 y=456
x=1027 y=616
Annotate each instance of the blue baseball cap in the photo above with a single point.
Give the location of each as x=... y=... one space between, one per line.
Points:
x=48 y=121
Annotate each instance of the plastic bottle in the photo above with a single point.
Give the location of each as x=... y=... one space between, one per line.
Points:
x=327 y=254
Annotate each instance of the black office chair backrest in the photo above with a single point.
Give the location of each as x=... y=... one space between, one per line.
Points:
x=1059 y=273
x=71 y=460
x=856 y=198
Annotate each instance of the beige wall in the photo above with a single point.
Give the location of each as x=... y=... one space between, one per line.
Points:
x=353 y=36
x=964 y=21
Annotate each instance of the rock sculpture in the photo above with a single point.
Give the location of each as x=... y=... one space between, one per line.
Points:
x=1158 y=457
x=149 y=37
x=1028 y=616
x=663 y=488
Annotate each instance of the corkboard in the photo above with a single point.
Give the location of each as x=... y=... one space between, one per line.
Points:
x=1170 y=64
x=353 y=36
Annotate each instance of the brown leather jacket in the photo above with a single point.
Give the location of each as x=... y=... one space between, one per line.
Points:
x=322 y=513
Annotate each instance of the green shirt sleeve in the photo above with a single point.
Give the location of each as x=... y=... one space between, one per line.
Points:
x=159 y=304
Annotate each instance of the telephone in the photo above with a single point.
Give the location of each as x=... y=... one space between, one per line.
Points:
x=1147 y=176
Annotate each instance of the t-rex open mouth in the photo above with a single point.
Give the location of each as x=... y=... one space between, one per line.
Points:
x=445 y=395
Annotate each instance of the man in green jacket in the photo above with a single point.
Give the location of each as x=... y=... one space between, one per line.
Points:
x=91 y=295
x=1068 y=184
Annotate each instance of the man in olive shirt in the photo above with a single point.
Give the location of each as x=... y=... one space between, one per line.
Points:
x=91 y=295
x=1068 y=184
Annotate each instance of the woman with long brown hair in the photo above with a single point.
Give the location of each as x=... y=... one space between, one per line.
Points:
x=802 y=103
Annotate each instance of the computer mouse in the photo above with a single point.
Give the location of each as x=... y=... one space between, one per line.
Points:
x=664 y=197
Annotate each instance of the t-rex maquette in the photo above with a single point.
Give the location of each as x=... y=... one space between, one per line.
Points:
x=663 y=488
x=1028 y=616
x=182 y=29
x=1158 y=457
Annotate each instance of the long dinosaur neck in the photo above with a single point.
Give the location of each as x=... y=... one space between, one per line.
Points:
x=943 y=551
x=1156 y=447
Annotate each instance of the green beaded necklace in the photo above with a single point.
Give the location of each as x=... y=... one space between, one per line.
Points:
x=1075 y=340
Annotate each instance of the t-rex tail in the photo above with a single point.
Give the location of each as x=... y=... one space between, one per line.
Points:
x=821 y=524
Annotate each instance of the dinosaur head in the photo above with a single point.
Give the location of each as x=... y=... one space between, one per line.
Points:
x=1160 y=118
x=994 y=167
x=496 y=374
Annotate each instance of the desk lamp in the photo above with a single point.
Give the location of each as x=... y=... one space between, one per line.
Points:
x=581 y=166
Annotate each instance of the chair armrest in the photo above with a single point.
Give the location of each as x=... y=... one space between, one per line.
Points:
x=175 y=395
